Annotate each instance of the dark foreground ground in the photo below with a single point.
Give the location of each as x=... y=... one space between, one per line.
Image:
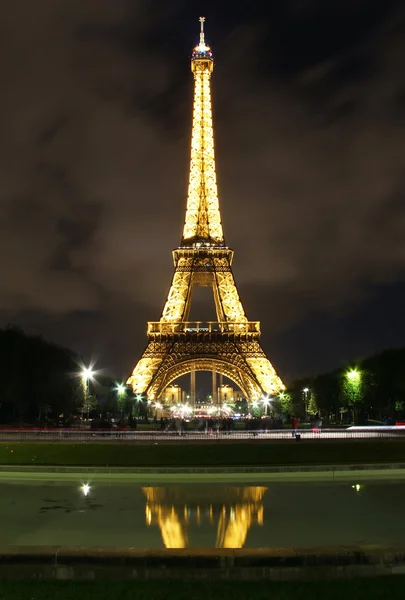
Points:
x=183 y=454
x=391 y=588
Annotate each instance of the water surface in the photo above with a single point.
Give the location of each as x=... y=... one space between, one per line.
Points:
x=202 y=515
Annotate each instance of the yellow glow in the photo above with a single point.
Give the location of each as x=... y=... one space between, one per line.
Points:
x=203 y=220
x=266 y=375
x=148 y=515
x=231 y=345
x=143 y=373
x=202 y=48
x=233 y=520
x=174 y=534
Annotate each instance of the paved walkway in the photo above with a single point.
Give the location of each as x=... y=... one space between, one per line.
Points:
x=241 y=474
x=145 y=437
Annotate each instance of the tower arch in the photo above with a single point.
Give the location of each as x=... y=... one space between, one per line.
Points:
x=244 y=381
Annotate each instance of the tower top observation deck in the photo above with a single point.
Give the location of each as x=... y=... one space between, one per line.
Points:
x=202 y=51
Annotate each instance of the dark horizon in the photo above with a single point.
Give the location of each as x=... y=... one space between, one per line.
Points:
x=308 y=107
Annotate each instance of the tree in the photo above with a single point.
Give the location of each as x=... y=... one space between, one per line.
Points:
x=89 y=403
x=384 y=382
x=326 y=390
x=352 y=391
x=312 y=405
x=282 y=404
x=36 y=378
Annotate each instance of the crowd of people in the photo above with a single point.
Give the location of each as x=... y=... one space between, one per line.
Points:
x=211 y=425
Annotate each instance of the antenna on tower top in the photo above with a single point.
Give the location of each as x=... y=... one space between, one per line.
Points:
x=202 y=41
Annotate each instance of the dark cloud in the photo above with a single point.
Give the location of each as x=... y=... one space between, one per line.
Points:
x=95 y=119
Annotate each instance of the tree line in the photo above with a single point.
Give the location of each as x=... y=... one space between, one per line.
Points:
x=41 y=382
x=371 y=390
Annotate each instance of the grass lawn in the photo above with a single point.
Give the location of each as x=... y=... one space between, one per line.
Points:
x=391 y=588
x=254 y=453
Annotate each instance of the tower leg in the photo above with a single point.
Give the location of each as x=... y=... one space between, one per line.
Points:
x=192 y=386
x=214 y=387
x=221 y=383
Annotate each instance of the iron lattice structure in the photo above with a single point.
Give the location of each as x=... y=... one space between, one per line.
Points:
x=230 y=346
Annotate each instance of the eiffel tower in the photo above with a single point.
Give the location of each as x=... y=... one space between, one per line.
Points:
x=230 y=346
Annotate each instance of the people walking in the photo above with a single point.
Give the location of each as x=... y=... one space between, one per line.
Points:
x=294 y=423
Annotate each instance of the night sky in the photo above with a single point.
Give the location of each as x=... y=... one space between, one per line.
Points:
x=309 y=116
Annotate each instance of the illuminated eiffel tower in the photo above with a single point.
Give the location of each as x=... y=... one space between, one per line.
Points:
x=230 y=346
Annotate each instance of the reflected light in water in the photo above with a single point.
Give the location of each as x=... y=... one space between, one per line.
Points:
x=357 y=487
x=85 y=488
x=174 y=508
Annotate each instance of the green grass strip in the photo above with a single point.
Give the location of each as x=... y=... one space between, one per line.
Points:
x=186 y=454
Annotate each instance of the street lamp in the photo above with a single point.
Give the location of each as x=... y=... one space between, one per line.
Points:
x=305 y=390
x=87 y=374
x=121 y=393
x=266 y=403
x=353 y=389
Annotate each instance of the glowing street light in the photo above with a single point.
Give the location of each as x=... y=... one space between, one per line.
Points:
x=87 y=373
x=255 y=404
x=266 y=403
x=121 y=394
x=353 y=375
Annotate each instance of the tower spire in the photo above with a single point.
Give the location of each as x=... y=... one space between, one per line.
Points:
x=202 y=40
x=203 y=220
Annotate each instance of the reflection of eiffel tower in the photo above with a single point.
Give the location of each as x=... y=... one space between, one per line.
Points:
x=230 y=346
x=174 y=508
